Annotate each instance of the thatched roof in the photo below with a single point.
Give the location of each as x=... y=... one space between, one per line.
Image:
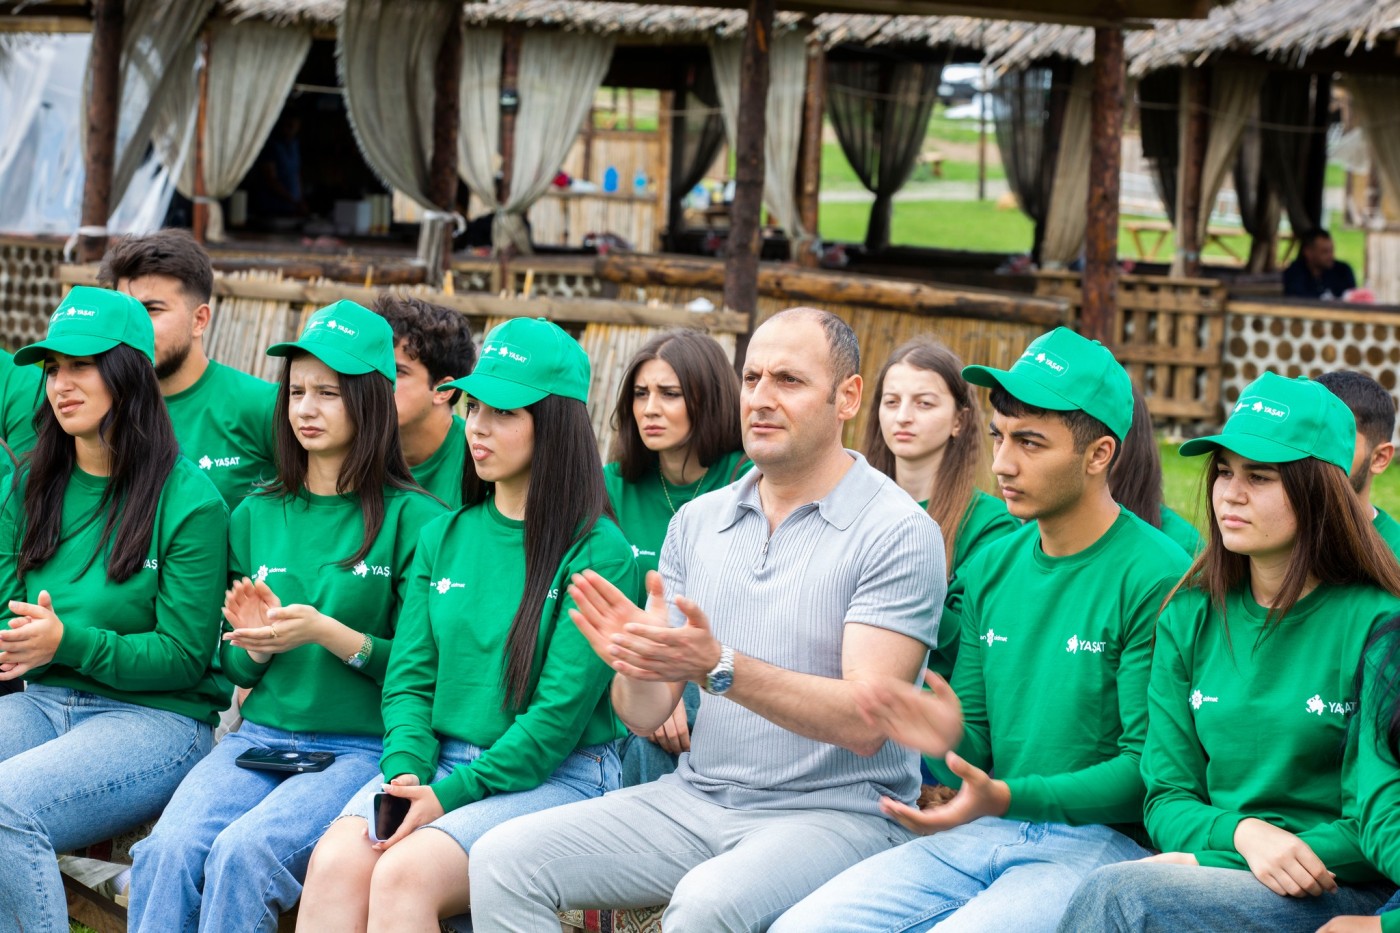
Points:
x=1282 y=29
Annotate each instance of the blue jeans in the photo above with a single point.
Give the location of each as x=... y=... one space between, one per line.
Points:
x=587 y=772
x=230 y=851
x=77 y=768
x=992 y=874
x=1390 y=905
x=1181 y=898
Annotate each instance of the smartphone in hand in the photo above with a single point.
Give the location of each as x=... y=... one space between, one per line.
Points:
x=389 y=813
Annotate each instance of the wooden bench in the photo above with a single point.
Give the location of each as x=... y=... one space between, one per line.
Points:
x=1158 y=230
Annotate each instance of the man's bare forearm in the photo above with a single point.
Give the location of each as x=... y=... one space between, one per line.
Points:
x=643 y=705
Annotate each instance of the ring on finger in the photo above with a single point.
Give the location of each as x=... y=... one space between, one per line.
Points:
x=274 y=631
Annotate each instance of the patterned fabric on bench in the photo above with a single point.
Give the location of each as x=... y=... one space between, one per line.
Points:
x=644 y=920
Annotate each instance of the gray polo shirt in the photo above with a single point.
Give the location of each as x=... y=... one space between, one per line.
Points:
x=865 y=553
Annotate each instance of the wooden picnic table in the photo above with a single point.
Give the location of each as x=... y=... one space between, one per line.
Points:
x=1159 y=229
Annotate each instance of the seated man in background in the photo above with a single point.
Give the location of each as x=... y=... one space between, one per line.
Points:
x=1317 y=272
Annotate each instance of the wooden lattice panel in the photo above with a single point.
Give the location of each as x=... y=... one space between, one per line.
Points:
x=1308 y=340
x=1168 y=334
x=29 y=288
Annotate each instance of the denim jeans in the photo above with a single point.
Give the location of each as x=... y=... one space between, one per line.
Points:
x=585 y=773
x=1182 y=898
x=231 y=850
x=992 y=874
x=77 y=768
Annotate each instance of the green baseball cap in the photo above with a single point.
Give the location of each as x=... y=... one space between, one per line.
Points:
x=1062 y=371
x=522 y=361
x=1279 y=420
x=93 y=320
x=348 y=337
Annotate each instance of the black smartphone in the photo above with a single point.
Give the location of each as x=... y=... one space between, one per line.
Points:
x=389 y=812
x=270 y=759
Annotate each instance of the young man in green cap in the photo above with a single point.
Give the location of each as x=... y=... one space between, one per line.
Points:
x=1052 y=675
x=1374 y=411
x=222 y=417
x=432 y=346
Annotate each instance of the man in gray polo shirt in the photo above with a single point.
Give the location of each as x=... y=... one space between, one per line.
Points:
x=802 y=582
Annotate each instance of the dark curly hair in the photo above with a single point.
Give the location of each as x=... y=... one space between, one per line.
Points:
x=437 y=337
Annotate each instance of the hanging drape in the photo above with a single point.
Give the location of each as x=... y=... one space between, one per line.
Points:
x=387 y=53
x=1028 y=112
x=156 y=34
x=253 y=64
x=1377 y=102
x=1234 y=92
x=787 y=81
x=559 y=75
x=879 y=108
x=479 y=137
x=1159 y=115
x=1286 y=110
x=1066 y=216
x=703 y=132
x=1259 y=206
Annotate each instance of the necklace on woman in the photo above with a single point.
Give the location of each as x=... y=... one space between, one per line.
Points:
x=666 y=491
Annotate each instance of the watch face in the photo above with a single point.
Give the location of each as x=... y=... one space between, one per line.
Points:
x=721 y=681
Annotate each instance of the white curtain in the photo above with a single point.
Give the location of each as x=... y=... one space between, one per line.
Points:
x=387 y=53
x=156 y=34
x=559 y=75
x=1377 y=100
x=787 y=81
x=1067 y=216
x=252 y=67
x=1234 y=95
x=479 y=136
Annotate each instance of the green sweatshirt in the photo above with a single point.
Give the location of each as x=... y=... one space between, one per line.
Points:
x=984 y=521
x=224 y=425
x=441 y=474
x=1053 y=670
x=1243 y=728
x=149 y=639
x=21 y=392
x=1377 y=770
x=293 y=546
x=447 y=674
x=1182 y=532
x=643 y=512
x=1389 y=530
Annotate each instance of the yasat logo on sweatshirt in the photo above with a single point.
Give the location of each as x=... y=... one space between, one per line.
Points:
x=1076 y=644
x=207 y=462
x=363 y=569
x=1316 y=706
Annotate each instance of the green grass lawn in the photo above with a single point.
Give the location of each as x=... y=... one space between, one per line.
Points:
x=837 y=174
x=1182 y=490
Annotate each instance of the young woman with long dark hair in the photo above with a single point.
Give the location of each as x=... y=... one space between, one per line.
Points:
x=1135 y=480
x=928 y=436
x=494 y=705
x=113 y=556
x=678 y=437
x=320 y=560
x=1249 y=794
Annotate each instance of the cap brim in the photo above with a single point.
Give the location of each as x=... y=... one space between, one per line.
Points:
x=70 y=345
x=497 y=392
x=1252 y=446
x=337 y=360
x=1020 y=387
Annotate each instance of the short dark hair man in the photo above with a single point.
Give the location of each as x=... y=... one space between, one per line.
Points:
x=819 y=565
x=1374 y=410
x=222 y=416
x=1317 y=272
x=432 y=345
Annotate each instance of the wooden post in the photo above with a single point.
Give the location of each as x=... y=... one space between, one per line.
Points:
x=447 y=77
x=510 y=79
x=1105 y=165
x=745 y=239
x=675 y=211
x=982 y=97
x=1195 y=136
x=663 y=169
x=809 y=168
x=201 y=122
x=103 y=108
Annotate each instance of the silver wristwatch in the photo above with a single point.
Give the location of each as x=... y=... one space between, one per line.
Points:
x=360 y=658
x=719 y=680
